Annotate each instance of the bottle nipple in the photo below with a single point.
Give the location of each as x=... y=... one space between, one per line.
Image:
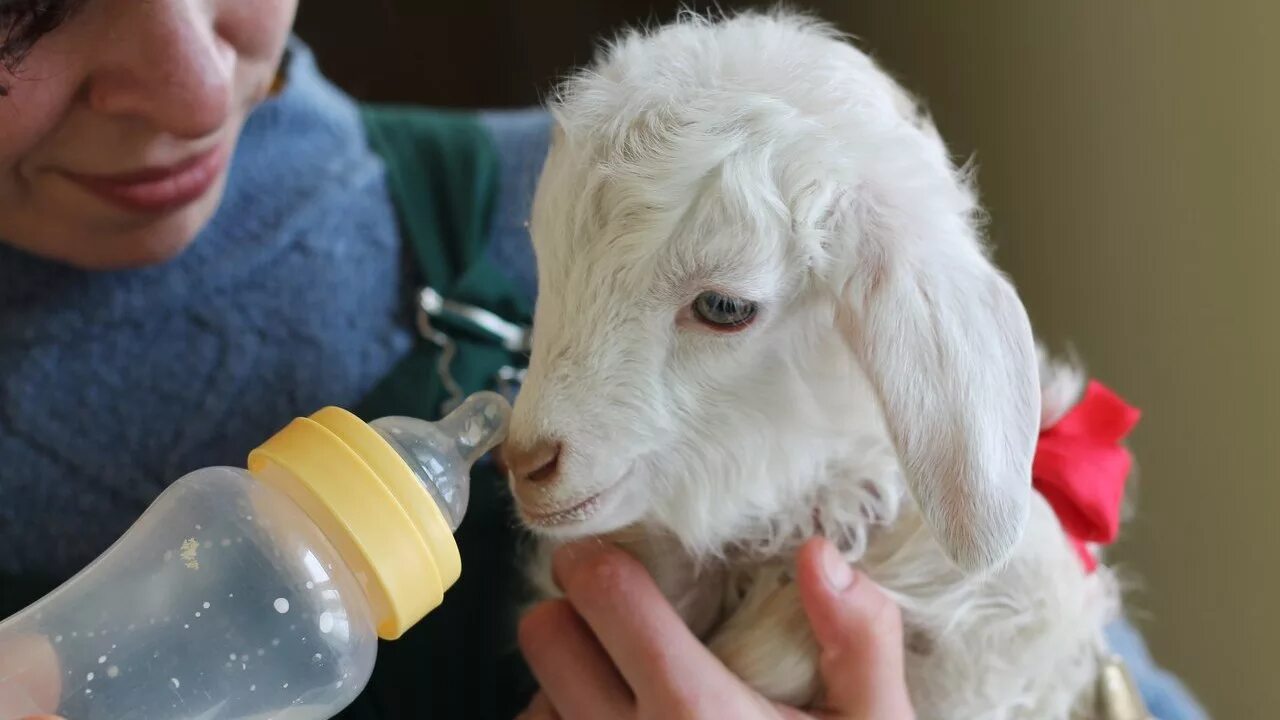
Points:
x=441 y=453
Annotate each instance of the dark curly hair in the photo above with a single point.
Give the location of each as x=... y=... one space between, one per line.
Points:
x=23 y=22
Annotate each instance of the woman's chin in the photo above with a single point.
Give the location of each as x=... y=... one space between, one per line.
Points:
x=131 y=256
x=157 y=240
x=106 y=238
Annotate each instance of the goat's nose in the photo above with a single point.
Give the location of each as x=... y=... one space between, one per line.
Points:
x=537 y=463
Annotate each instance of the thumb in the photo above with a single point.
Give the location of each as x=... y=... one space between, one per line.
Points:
x=859 y=631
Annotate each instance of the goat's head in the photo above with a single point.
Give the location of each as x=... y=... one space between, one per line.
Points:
x=746 y=236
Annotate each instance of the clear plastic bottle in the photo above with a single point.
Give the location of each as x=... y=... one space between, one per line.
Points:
x=259 y=593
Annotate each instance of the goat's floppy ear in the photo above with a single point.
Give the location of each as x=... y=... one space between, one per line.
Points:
x=948 y=347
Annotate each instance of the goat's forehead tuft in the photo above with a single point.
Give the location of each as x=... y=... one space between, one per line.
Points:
x=722 y=205
x=656 y=78
x=759 y=101
x=753 y=123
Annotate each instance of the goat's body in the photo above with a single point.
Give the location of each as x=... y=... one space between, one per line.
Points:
x=885 y=396
x=1020 y=643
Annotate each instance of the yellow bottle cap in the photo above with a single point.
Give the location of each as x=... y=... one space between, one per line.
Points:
x=372 y=506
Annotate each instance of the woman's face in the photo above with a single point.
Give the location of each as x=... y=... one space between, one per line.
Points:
x=119 y=125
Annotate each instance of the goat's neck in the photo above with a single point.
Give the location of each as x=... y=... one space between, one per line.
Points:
x=693 y=588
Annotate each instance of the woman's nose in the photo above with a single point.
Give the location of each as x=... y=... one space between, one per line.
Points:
x=175 y=73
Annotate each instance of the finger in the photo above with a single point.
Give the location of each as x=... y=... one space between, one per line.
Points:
x=636 y=625
x=859 y=631
x=575 y=674
x=30 y=679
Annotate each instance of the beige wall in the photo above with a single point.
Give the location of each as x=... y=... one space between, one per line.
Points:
x=1130 y=155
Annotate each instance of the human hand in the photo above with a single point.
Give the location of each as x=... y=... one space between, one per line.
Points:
x=30 y=680
x=614 y=647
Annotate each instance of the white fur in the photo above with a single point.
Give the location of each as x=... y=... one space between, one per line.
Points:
x=887 y=397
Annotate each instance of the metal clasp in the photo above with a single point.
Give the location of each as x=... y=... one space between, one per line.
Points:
x=509 y=381
x=512 y=337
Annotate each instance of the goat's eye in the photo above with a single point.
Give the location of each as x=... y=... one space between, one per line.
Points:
x=723 y=312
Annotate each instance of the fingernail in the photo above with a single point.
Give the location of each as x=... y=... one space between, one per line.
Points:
x=839 y=575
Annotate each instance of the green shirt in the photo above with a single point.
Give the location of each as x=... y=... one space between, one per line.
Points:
x=461 y=661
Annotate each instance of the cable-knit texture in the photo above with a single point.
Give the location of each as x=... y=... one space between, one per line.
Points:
x=113 y=385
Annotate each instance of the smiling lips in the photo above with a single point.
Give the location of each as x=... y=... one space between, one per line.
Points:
x=158 y=189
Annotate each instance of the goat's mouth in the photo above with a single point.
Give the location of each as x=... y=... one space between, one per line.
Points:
x=567 y=516
x=573 y=513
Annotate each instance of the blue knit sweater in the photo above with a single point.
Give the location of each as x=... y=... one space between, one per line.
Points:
x=112 y=385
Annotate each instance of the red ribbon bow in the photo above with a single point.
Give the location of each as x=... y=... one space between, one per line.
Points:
x=1080 y=468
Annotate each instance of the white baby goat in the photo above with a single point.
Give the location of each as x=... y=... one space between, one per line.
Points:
x=766 y=313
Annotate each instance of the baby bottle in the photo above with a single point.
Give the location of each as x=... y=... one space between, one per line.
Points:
x=259 y=593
